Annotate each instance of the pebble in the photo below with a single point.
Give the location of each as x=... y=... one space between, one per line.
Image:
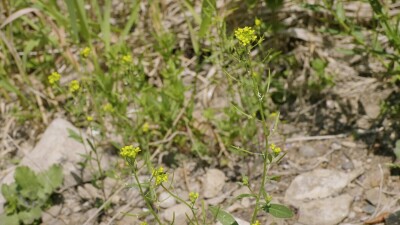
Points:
x=213 y=183
x=166 y=200
x=347 y=165
x=180 y=211
x=83 y=193
x=372 y=195
x=368 y=208
x=328 y=211
x=308 y=151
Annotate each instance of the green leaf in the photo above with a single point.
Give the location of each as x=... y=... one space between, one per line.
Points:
x=51 y=179
x=28 y=217
x=72 y=134
x=278 y=211
x=207 y=10
x=376 y=6
x=11 y=196
x=222 y=216
x=340 y=11
x=241 y=196
x=27 y=181
x=9 y=220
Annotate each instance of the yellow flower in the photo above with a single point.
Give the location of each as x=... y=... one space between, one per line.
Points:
x=245 y=35
x=256 y=223
x=257 y=22
x=160 y=176
x=74 y=86
x=108 y=108
x=89 y=118
x=276 y=150
x=145 y=127
x=54 y=77
x=85 y=52
x=245 y=180
x=193 y=196
x=129 y=152
x=143 y=223
x=126 y=59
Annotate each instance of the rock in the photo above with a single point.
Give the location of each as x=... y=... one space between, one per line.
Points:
x=320 y=183
x=166 y=200
x=372 y=196
x=373 y=178
x=213 y=183
x=83 y=193
x=180 y=211
x=92 y=191
x=109 y=186
x=55 y=147
x=368 y=208
x=328 y=211
x=347 y=165
x=239 y=222
x=49 y=215
x=308 y=151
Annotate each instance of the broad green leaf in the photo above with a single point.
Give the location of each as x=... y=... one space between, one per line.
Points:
x=207 y=12
x=27 y=181
x=278 y=211
x=72 y=134
x=245 y=196
x=340 y=11
x=222 y=216
x=51 y=179
x=9 y=220
x=28 y=217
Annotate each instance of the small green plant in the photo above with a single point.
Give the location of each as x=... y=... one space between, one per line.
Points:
x=29 y=195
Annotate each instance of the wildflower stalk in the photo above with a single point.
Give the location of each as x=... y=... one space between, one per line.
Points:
x=182 y=201
x=149 y=206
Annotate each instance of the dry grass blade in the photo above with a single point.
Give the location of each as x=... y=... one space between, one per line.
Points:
x=17 y=15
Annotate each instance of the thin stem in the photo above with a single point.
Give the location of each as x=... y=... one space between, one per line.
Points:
x=182 y=201
x=145 y=199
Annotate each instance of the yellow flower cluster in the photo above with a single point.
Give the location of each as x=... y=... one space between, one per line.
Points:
x=245 y=35
x=126 y=59
x=143 y=223
x=85 y=52
x=256 y=223
x=276 y=150
x=74 y=86
x=257 y=22
x=193 y=196
x=160 y=176
x=129 y=152
x=89 y=118
x=145 y=127
x=108 y=108
x=54 y=78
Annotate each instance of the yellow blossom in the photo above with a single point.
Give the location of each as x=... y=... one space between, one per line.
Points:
x=145 y=127
x=256 y=223
x=74 y=86
x=85 y=52
x=276 y=150
x=108 y=108
x=143 y=223
x=245 y=35
x=126 y=59
x=257 y=22
x=129 y=152
x=89 y=118
x=160 y=176
x=54 y=78
x=193 y=196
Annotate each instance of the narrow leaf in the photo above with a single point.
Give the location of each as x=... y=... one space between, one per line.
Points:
x=222 y=216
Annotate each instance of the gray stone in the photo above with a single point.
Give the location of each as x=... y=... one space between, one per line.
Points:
x=92 y=191
x=179 y=211
x=55 y=147
x=372 y=195
x=166 y=200
x=320 y=183
x=213 y=183
x=308 y=151
x=368 y=208
x=328 y=211
x=83 y=193
x=347 y=165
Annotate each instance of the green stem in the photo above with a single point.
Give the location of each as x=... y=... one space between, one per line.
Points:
x=182 y=201
x=145 y=199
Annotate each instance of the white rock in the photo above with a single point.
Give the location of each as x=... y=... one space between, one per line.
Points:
x=166 y=200
x=328 y=211
x=320 y=183
x=180 y=211
x=55 y=147
x=308 y=151
x=213 y=183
